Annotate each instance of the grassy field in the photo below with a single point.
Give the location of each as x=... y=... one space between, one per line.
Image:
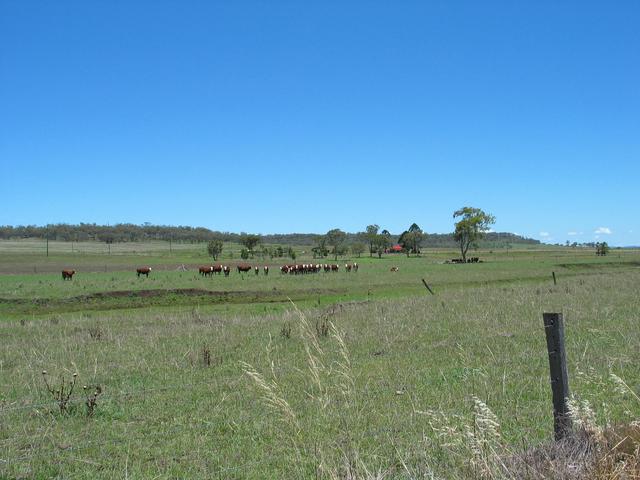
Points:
x=367 y=373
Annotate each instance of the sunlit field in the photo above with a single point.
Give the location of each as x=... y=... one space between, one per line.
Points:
x=330 y=375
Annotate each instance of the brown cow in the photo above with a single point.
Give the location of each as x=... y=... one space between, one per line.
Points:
x=257 y=270
x=334 y=267
x=217 y=269
x=205 y=271
x=226 y=270
x=394 y=269
x=143 y=271
x=355 y=267
x=243 y=267
x=68 y=274
x=347 y=267
x=266 y=270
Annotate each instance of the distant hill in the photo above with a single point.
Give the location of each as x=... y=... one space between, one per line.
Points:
x=126 y=232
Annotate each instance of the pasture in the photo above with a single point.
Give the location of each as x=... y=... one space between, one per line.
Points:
x=329 y=375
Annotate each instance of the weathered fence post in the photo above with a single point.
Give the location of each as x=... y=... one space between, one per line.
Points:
x=554 y=331
x=428 y=287
x=554 y=278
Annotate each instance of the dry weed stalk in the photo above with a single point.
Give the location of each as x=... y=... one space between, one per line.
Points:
x=92 y=399
x=63 y=393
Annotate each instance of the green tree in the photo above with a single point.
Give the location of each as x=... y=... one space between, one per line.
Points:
x=471 y=227
x=214 y=248
x=405 y=242
x=382 y=242
x=250 y=241
x=371 y=235
x=416 y=237
x=320 y=249
x=335 y=239
x=602 y=248
x=244 y=254
x=357 y=248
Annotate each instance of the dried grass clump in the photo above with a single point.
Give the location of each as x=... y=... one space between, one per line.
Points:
x=330 y=387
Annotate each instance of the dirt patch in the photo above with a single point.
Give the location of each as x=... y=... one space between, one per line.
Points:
x=117 y=299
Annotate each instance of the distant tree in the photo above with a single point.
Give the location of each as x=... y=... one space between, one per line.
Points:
x=214 y=248
x=335 y=239
x=371 y=234
x=320 y=250
x=602 y=248
x=279 y=252
x=405 y=242
x=357 y=248
x=416 y=237
x=250 y=241
x=471 y=227
x=411 y=239
x=291 y=253
x=382 y=242
x=244 y=254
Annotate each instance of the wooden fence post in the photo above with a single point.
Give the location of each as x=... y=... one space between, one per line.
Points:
x=428 y=287
x=554 y=331
x=554 y=277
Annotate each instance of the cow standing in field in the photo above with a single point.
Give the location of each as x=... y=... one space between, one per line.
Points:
x=226 y=270
x=394 y=269
x=257 y=270
x=334 y=267
x=243 y=267
x=217 y=269
x=205 y=271
x=347 y=267
x=68 y=274
x=143 y=271
x=266 y=270
x=355 y=267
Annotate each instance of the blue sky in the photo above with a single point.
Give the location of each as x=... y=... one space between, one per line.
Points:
x=277 y=117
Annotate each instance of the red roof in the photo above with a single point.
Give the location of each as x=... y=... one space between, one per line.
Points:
x=397 y=248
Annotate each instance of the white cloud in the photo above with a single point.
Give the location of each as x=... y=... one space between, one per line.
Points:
x=603 y=231
x=571 y=234
x=544 y=234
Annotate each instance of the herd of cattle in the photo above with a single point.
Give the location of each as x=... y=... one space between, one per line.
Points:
x=209 y=270
x=461 y=260
x=293 y=269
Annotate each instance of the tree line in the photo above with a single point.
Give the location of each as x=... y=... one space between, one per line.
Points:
x=471 y=228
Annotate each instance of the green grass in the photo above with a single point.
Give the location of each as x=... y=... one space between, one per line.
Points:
x=166 y=414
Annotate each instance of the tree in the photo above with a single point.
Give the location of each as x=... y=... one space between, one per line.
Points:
x=410 y=239
x=471 y=227
x=382 y=242
x=371 y=235
x=244 y=254
x=602 y=248
x=250 y=241
x=214 y=247
x=336 y=238
x=416 y=237
x=405 y=242
x=357 y=248
x=320 y=249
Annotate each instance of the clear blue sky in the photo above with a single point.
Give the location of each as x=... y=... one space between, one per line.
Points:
x=305 y=116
